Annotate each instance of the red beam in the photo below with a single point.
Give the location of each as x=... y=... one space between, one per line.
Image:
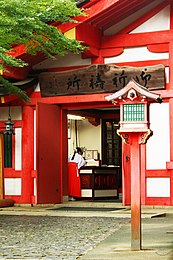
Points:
x=36 y=97
x=89 y=35
x=111 y=52
x=158 y=48
x=137 y=39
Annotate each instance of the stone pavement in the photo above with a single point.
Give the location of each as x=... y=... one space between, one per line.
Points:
x=96 y=231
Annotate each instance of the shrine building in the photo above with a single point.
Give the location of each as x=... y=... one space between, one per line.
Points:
x=127 y=40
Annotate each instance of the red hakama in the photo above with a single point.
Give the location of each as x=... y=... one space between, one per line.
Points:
x=74 y=187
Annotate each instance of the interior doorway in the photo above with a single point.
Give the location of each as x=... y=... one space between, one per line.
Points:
x=96 y=131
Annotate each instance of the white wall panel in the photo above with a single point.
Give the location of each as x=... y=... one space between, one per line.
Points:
x=12 y=186
x=158 y=145
x=18 y=149
x=136 y=54
x=37 y=89
x=159 y=22
x=89 y=135
x=68 y=60
x=158 y=187
x=167 y=74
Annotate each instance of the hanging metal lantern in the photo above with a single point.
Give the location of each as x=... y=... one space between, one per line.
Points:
x=9 y=125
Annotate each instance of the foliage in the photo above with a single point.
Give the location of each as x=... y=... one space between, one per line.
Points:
x=29 y=22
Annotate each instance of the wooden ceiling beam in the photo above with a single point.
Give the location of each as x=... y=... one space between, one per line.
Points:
x=127 y=11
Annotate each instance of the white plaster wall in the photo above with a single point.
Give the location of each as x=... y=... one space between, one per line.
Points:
x=89 y=135
x=12 y=186
x=158 y=187
x=37 y=89
x=68 y=60
x=15 y=112
x=159 y=22
x=18 y=149
x=167 y=74
x=136 y=54
x=158 y=145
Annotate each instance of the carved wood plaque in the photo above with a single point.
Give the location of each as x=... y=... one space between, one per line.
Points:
x=100 y=79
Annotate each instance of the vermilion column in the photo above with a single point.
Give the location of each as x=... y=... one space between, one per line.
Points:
x=170 y=164
x=135 y=191
x=27 y=154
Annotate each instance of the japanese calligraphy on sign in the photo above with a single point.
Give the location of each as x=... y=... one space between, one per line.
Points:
x=99 y=79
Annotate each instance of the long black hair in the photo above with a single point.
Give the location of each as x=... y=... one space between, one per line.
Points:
x=78 y=150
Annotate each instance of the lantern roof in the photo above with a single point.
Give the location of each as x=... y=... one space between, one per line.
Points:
x=133 y=90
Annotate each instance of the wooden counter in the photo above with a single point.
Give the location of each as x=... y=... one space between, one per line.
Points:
x=99 y=182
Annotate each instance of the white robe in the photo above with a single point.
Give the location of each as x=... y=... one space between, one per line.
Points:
x=79 y=160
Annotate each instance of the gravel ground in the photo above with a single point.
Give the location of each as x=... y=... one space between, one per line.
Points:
x=49 y=237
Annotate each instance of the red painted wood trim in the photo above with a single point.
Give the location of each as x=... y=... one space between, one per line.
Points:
x=16 y=198
x=144 y=63
x=157 y=173
x=13 y=151
x=84 y=30
x=126 y=175
x=12 y=173
x=146 y=17
x=171 y=186
x=171 y=127
x=68 y=99
x=111 y=52
x=157 y=201
x=18 y=50
x=143 y=170
x=171 y=15
x=158 y=48
x=17 y=73
x=98 y=60
x=64 y=152
x=61 y=131
x=10 y=98
x=171 y=64
x=90 y=53
x=34 y=173
x=136 y=39
x=27 y=154
x=86 y=100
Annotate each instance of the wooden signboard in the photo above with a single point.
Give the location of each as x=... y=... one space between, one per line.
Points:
x=100 y=79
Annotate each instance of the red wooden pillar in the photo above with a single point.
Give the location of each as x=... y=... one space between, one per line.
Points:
x=64 y=157
x=170 y=165
x=1 y=166
x=27 y=154
x=135 y=191
x=126 y=174
x=143 y=174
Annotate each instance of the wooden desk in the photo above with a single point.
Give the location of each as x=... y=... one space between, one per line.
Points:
x=99 y=182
